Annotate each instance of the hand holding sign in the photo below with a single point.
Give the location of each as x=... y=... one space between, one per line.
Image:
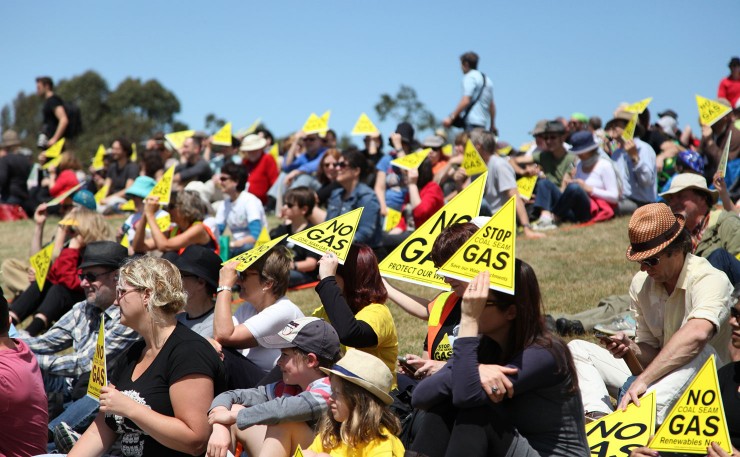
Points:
x=328 y=265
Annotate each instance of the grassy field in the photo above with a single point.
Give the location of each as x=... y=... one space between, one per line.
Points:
x=576 y=266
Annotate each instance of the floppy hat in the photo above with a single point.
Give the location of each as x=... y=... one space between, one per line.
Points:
x=104 y=254
x=309 y=334
x=651 y=228
x=620 y=115
x=141 y=187
x=85 y=198
x=690 y=181
x=582 y=142
x=201 y=262
x=253 y=142
x=539 y=127
x=365 y=370
x=10 y=139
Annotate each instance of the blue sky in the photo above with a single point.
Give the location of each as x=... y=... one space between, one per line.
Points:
x=282 y=60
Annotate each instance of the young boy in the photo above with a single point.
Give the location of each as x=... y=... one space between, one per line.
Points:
x=274 y=419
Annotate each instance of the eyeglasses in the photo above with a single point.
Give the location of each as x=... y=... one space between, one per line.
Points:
x=120 y=293
x=341 y=165
x=243 y=275
x=92 y=277
x=550 y=137
x=650 y=262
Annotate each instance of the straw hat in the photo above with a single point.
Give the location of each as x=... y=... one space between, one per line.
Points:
x=366 y=371
x=652 y=227
x=10 y=139
x=253 y=142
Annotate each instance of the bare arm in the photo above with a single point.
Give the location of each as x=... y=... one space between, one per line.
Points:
x=492 y=110
x=521 y=213
x=224 y=330
x=62 y=126
x=416 y=306
x=95 y=441
x=380 y=191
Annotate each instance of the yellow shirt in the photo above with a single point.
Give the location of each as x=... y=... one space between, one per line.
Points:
x=389 y=447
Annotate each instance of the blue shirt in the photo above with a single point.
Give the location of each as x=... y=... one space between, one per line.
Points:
x=369 y=230
x=306 y=164
x=395 y=193
x=639 y=180
x=479 y=113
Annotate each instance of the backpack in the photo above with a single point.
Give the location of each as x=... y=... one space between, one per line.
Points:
x=74 y=118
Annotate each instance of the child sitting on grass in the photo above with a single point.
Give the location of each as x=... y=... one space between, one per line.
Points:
x=359 y=422
x=273 y=420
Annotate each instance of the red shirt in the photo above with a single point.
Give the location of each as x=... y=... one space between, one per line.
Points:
x=64 y=269
x=65 y=181
x=262 y=175
x=730 y=90
x=432 y=199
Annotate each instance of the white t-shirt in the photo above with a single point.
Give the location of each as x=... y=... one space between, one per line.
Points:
x=237 y=215
x=603 y=180
x=501 y=178
x=266 y=323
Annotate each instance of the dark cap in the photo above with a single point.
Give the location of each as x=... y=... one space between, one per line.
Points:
x=669 y=113
x=103 y=254
x=556 y=127
x=735 y=61
x=309 y=334
x=406 y=131
x=200 y=262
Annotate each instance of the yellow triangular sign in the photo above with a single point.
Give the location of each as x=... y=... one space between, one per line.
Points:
x=98 y=373
x=364 y=126
x=392 y=218
x=412 y=260
x=163 y=188
x=492 y=248
x=98 y=163
x=124 y=241
x=525 y=186
x=443 y=351
x=314 y=124
x=298 y=452
x=176 y=139
x=55 y=149
x=325 y=117
x=40 y=262
x=246 y=259
x=722 y=168
x=101 y=193
x=447 y=150
x=334 y=235
x=472 y=161
x=164 y=222
x=629 y=130
x=134 y=153
x=128 y=206
x=249 y=130
x=275 y=152
x=638 y=107
x=66 y=194
x=697 y=418
x=411 y=161
x=223 y=136
x=622 y=430
x=53 y=163
x=264 y=237
x=710 y=111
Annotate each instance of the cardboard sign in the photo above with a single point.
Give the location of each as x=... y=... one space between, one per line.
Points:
x=163 y=188
x=314 y=124
x=491 y=248
x=447 y=150
x=102 y=193
x=53 y=163
x=59 y=199
x=392 y=219
x=246 y=259
x=134 y=156
x=98 y=163
x=722 y=168
x=472 y=161
x=128 y=206
x=223 y=136
x=298 y=452
x=275 y=153
x=619 y=432
x=525 y=186
x=41 y=261
x=176 y=139
x=629 y=130
x=264 y=237
x=697 y=418
x=710 y=111
x=334 y=235
x=98 y=373
x=639 y=107
x=364 y=126
x=55 y=149
x=124 y=241
x=412 y=260
x=411 y=161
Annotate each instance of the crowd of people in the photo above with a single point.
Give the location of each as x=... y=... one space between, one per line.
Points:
x=189 y=376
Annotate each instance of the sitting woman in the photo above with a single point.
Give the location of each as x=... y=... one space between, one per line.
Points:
x=163 y=387
x=241 y=212
x=64 y=176
x=353 y=300
x=187 y=210
x=327 y=175
x=266 y=311
x=522 y=400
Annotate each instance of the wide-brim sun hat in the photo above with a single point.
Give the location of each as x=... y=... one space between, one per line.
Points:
x=253 y=142
x=365 y=370
x=651 y=228
x=692 y=181
x=141 y=187
x=583 y=142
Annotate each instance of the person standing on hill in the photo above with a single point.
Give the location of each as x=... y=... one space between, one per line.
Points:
x=476 y=107
x=55 y=118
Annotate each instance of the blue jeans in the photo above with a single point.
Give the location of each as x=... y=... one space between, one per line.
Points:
x=572 y=205
x=77 y=414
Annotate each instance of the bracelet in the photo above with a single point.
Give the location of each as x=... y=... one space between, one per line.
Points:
x=220 y=289
x=527 y=226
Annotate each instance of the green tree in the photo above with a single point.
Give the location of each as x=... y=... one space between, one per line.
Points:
x=404 y=106
x=213 y=123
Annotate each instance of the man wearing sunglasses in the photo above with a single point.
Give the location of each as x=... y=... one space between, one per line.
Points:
x=554 y=160
x=682 y=306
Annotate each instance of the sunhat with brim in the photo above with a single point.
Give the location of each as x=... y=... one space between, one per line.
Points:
x=691 y=181
x=85 y=198
x=253 y=142
x=141 y=187
x=364 y=370
x=583 y=142
x=10 y=139
x=652 y=227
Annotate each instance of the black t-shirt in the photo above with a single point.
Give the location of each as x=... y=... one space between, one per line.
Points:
x=198 y=171
x=50 y=121
x=184 y=353
x=118 y=176
x=442 y=344
x=325 y=192
x=14 y=171
x=299 y=252
x=729 y=382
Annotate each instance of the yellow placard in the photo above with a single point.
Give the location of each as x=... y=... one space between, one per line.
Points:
x=364 y=126
x=249 y=130
x=246 y=259
x=447 y=150
x=163 y=188
x=392 y=218
x=722 y=168
x=638 y=107
x=40 y=262
x=98 y=163
x=124 y=241
x=275 y=153
x=491 y=248
x=325 y=117
x=298 y=452
x=334 y=235
x=504 y=151
x=101 y=193
x=621 y=431
x=710 y=111
x=55 y=149
x=525 y=186
x=314 y=124
x=66 y=194
x=128 y=206
x=697 y=418
x=98 y=373
x=411 y=161
x=53 y=163
x=411 y=261
x=163 y=222
x=629 y=130
x=472 y=161
x=223 y=136
x=134 y=153
x=264 y=237
x=176 y=139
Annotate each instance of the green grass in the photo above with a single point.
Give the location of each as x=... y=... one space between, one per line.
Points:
x=575 y=266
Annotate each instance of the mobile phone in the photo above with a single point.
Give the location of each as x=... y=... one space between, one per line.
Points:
x=405 y=364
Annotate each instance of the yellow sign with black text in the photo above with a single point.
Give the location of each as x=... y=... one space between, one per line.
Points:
x=176 y=139
x=98 y=373
x=392 y=219
x=710 y=111
x=411 y=161
x=163 y=188
x=55 y=149
x=40 y=262
x=334 y=235
x=639 y=107
x=264 y=237
x=722 y=168
x=364 y=126
x=314 y=124
x=223 y=136
x=629 y=131
x=472 y=161
x=525 y=186
x=246 y=259
x=621 y=431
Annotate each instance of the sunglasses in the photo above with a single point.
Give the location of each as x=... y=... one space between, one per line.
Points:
x=650 y=261
x=341 y=165
x=330 y=165
x=310 y=139
x=549 y=137
x=243 y=275
x=92 y=277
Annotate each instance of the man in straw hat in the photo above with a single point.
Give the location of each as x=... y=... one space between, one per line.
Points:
x=681 y=305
